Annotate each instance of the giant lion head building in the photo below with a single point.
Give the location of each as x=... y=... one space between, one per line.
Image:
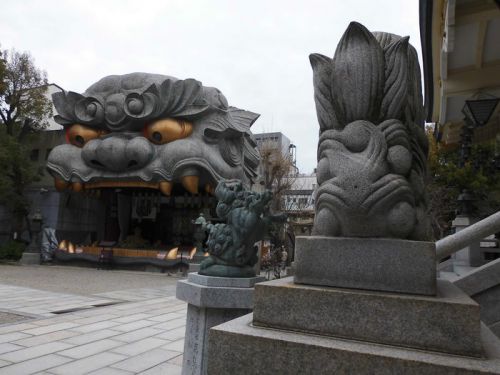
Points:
x=147 y=150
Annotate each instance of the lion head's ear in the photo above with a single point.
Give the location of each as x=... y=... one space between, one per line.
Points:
x=357 y=82
x=181 y=98
x=322 y=81
x=396 y=80
x=65 y=102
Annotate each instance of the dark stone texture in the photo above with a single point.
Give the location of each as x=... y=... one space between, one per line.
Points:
x=447 y=323
x=237 y=347
x=372 y=147
x=366 y=263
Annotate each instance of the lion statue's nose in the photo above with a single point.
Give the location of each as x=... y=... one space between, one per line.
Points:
x=118 y=154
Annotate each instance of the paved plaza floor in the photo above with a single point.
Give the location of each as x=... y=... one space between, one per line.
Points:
x=71 y=320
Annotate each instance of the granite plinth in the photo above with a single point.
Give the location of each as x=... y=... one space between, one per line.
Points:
x=236 y=282
x=219 y=297
x=447 y=323
x=211 y=301
x=380 y=264
x=30 y=258
x=237 y=347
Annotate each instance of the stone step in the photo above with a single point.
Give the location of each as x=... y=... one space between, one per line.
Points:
x=447 y=323
x=237 y=347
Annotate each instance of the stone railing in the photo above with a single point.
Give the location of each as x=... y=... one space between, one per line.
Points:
x=476 y=232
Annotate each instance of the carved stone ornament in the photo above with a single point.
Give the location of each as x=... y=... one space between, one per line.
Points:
x=150 y=130
x=372 y=146
x=231 y=244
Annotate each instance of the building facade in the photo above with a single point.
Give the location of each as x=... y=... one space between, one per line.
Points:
x=461 y=59
x=460 y=47
x=281 y=141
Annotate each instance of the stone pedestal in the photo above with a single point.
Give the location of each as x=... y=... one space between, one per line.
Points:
x=30 y=258
x=382 y=264
x=338 y=321
x=238 y=347
x=382 y=317
x=211 y=301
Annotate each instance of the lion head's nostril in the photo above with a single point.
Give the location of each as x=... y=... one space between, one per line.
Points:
x=79 y=140
x=132 y=163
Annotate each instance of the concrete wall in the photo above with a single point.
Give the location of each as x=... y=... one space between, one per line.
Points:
x=483 y=286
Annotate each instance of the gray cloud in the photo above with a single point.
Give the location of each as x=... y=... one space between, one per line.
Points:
x=255 y=52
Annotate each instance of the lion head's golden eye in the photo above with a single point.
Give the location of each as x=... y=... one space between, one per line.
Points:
x=167 y=130
x=78 y=134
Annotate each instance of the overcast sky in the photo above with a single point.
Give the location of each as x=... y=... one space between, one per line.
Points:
x=256 y=52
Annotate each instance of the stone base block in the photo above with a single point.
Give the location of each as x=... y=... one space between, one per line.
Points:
x=30 y=258
x=211 y=301
x=367 y=263
x=217 y=292
x=224 y=282
x=446 y=323
x=237 y=347
x=194 y=267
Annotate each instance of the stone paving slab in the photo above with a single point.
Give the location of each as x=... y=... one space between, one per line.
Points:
x=141 y=346
x=111 y=371
x=162 y=369
x=142 y=331
x=138 y=294
x=145 y=360
x=34 y=365
x=9 y=318
x=43 y=303
x=88 y=364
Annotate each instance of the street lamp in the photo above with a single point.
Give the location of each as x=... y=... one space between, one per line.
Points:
x=31 y=254
x=292 y=149
x=480 y=110
x=477 y=111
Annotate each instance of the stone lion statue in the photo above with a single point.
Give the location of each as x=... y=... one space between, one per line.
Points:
x=372 y=148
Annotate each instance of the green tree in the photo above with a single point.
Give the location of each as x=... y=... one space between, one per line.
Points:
x=2 y=74
x=447 y=179
x=24 y=110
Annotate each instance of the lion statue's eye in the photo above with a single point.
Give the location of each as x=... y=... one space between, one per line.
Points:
x=167 y=130
x=78 y=134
